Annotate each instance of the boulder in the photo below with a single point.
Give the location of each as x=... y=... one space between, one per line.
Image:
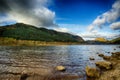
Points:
x=101 y=55
x=116 y=55
x=92 y=71
x=91 y=58
x=60 y=68
x=107 y=57
x=104 y=65
x=24 y=76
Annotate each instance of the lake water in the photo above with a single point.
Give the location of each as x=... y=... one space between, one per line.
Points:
x=42 y=60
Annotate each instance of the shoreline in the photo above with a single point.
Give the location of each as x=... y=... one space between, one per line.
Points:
x=13 y=42
x=4 y=41
x=56 y=45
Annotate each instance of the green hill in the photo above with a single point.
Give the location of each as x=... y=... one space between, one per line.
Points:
x=115 y=41
x=22 y=31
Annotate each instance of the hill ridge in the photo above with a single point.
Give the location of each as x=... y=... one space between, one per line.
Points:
x=28 y=32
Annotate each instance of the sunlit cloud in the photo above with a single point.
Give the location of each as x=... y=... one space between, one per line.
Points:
x=107 y=17
x=91 y=36
x=61 y=29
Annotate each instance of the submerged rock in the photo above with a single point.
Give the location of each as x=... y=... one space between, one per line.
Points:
x=64 y=76
x=104 y=65
x=101 y=55
x=60 y=68
x=108 y=52
x=92 y=72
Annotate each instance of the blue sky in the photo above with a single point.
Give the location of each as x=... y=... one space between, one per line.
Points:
x=79 y=11
x=87 y=18
x=75 y=16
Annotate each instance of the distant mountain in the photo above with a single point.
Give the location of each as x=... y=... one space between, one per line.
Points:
x=100 y=39
x=95 y=42
x=103 y=41
x=22 y=31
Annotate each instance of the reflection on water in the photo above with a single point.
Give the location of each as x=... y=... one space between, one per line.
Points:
x=43 y=60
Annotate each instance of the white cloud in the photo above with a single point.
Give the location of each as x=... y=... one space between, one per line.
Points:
x=107 y=17
x=61 y=29
x=74 y=28
x=3 y=19
x=91 y=36
x=115 y=25
x=33 y=12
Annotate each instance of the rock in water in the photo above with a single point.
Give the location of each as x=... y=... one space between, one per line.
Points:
x=24 y=76
x=104 y=65
x=60 y=68
x=92 y=72
x=91 y=58
x=116 y=55
x=107 y=57
x=101 y=55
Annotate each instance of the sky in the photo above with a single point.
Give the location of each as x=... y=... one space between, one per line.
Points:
x=87 y=18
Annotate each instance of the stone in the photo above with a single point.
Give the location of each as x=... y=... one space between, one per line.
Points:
x=60 y=68
x=107 y=57
x=104 y=65
x=101 y=55
x=24 y=76
x=91 y=58
x=108 y=52
x=92 y=71
x=116 y=55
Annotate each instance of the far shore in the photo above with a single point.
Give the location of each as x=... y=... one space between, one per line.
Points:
x=13 y=42
x=4 y=41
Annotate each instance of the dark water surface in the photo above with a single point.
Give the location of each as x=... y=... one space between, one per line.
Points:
x=43 y=60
